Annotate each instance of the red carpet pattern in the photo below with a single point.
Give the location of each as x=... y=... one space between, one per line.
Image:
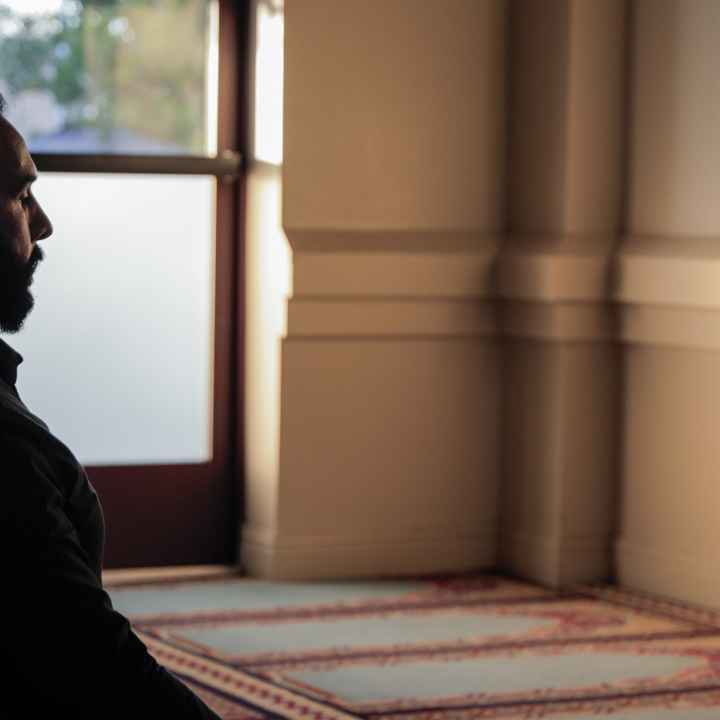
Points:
x=434 y=649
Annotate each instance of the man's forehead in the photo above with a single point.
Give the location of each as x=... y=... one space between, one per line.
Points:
x=15 y=161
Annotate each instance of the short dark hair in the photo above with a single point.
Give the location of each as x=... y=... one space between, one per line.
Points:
x=3 y=104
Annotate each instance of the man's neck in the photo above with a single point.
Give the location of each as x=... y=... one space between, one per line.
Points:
x=9 y=361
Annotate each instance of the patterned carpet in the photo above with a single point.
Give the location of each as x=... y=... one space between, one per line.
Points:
x=431 y=649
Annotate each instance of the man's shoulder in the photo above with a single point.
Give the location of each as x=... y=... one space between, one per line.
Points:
x=19 y=449
x=31 y=455
x=14 y=413
x=25 y=443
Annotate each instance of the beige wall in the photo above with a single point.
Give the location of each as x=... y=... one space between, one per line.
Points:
x=561 y=381
x=385 y=453
x=668 y=282
x=498 y=344
x=268 y=279
x=394 y=115
x=674 y=158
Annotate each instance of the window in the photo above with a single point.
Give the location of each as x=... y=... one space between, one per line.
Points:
x=112 y=76
x=130 y=350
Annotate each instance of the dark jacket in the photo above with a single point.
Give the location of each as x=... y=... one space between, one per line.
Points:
x=64 y=650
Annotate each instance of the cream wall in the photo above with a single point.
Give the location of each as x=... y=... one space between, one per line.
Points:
x=267 y=267
x=561 y=364
x=382 y=456
x=668 y=283
x=498 y=343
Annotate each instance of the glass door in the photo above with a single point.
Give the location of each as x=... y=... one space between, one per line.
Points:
x=130 y=352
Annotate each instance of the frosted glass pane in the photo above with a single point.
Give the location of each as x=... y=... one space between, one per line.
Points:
x=118 y=350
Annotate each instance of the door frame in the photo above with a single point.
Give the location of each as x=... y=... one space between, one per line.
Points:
x=189 y=514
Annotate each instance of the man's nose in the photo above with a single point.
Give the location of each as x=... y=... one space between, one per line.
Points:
x=42 y=227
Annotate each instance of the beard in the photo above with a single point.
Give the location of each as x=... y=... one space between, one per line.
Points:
x=16 y=276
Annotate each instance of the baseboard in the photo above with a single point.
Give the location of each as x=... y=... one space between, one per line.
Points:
x=323 y=557
x=556 y=561
x=669 y=572
x=121 y=577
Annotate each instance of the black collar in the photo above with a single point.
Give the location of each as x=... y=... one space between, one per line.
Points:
x=9 y=361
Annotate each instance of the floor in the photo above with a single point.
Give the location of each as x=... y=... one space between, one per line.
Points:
x=425 y=648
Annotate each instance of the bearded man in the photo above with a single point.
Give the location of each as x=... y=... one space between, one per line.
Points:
x=65 y=651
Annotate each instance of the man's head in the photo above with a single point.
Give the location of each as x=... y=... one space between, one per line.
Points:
x=22 y=224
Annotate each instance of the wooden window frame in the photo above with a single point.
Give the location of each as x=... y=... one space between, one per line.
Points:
x=189 y=514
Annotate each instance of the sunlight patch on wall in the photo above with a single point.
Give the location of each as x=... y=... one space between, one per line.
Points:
x=269 y=58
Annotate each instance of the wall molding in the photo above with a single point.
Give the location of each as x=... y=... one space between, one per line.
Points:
x=668 y=572
x=393 y=264
x=556 y=560
x=554 y=288
x=388 y=283
x=673 y=327
x=669 y=270
x=668 y=289
x=309 y=557
x=642 y=290
x=558 y=322
x=324 y=240
x=393 y=318
x=556 y=268
x=393 y=274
